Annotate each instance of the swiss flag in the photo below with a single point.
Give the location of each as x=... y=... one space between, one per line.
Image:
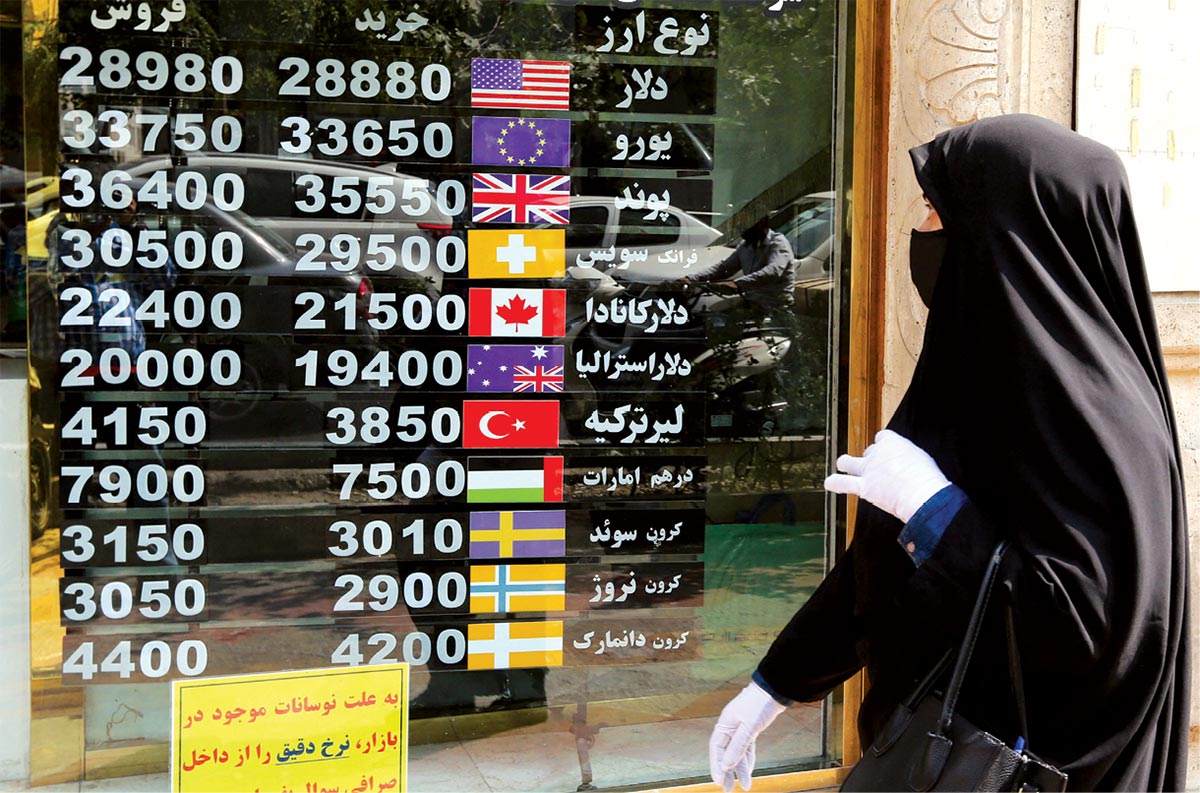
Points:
x=517 y=313
x=510 y=424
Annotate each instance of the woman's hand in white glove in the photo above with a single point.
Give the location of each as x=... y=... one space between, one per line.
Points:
x=894 y=474
x=731 y=747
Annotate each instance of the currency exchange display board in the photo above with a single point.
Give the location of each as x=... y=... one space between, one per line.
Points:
x=369 y=332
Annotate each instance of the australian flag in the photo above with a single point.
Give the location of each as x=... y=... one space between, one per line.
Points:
x=507 y=368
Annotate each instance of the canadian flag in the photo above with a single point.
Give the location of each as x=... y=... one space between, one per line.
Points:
x=517 y=313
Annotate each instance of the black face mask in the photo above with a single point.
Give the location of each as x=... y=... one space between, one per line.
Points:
x=926 y=250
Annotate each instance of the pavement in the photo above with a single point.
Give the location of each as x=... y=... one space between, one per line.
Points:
x=668 y=753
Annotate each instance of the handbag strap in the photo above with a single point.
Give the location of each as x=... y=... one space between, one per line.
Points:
x=1014 y=666
x=968 y=644
x=930 y=679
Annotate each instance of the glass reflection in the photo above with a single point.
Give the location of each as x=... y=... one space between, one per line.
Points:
x=289 y=310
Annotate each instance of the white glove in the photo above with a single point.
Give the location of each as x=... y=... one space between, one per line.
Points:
x=731 y=747
x=894 y=474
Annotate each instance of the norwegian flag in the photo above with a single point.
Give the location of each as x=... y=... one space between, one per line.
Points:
x=520 y=198
x=537 y=378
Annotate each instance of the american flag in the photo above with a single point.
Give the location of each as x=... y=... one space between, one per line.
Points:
x=520 y=198
x=539 y=85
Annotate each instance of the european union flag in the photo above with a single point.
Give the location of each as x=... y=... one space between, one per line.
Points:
x=521 y=142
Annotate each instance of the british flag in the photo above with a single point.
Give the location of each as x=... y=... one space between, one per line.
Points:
x=520 y=198
x=537 y=378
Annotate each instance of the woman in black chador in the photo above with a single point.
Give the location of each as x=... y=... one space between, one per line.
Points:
x=1038 y=412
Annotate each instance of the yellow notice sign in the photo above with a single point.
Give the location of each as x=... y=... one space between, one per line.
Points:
x=295 y=732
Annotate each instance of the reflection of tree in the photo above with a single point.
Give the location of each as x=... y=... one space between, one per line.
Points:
x=776 y=96
x=41 y=97
x=256 y=32
x=195 y=33
x=805 y=380
x=457 y=30
x=759 y=53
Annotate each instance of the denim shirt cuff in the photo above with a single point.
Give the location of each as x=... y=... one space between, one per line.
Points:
x=762 y=683
x=924 y=529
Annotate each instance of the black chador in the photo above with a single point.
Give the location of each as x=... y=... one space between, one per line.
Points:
x=1041 y=392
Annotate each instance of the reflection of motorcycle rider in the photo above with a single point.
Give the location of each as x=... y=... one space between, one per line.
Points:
x=768 y=273
x=766 y=283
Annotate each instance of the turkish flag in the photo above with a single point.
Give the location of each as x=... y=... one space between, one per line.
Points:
x=510 y=424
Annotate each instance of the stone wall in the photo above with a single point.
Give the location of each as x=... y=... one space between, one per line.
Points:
x=955 y=61
x=1179 y=329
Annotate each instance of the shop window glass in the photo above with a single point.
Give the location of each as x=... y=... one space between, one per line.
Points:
x=365 y=387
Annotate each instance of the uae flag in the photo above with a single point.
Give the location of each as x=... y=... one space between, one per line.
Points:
x=510 y=424
x=517 y=534
x=514 y=645
x=520 y=480
x=517 y=313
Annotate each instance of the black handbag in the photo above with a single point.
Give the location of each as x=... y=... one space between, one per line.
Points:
x=925 y=745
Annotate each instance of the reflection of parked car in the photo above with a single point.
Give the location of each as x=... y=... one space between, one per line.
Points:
x=268 y=283
x=294 y=198
x=807 y=223
x=265 y=280
x=265 y=283
x=23 y=241
x=12 y=197
x=613 y=239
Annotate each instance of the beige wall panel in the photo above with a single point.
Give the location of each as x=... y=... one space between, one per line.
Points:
x=959 y=60
x=1179 y=328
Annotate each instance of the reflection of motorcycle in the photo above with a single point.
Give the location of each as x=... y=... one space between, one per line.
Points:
x=667 y=336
